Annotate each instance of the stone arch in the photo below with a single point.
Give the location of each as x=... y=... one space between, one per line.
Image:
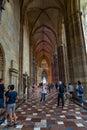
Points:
x=2 y=62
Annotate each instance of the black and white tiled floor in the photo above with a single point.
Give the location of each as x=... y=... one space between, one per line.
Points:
x=33 y=115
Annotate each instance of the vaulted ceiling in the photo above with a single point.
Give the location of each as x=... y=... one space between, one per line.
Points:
x=44 y=19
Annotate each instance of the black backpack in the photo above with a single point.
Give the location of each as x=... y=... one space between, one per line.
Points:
x=61 y=89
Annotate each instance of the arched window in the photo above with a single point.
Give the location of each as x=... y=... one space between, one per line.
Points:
x=44 y=77
x=83 y=5
x=2 y=62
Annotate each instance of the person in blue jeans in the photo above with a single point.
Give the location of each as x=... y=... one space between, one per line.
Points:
x=79 y=93
x=11 y=101
x=43 y=93
x=61 y=90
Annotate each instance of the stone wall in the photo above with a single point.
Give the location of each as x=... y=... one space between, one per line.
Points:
x=9 y=35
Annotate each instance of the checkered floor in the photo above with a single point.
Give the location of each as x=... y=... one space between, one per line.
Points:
x=33 y=115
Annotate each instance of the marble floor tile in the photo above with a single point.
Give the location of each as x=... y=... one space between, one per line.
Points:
x=34 y=115
x=28 y=119
x=77 y=112
x=37 y=128
x=19 y=126
x=78 y=118
x=62 y=116
x=60 y=123
x=79 y=124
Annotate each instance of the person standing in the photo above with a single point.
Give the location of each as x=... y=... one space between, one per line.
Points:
x=70 y=89
x=11 y=100
x=43 y=93
x=61 y=89
x=56 y=86
x=33 y=87
x=80 y=90
x=6 y=102
x=2 y=89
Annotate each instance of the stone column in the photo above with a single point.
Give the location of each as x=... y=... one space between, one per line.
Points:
x=52 y=66
x=33 y=67
x=20 y=87
x=66 y=66
x=55 y=67
x=80 y=47
x=80 y=51
x=70 y=48
x=61 y=63
x=34 y=72
x=76 y=49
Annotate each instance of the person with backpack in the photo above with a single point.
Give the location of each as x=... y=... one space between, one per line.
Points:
x=80 y=90
x=11 y=101
x=61 y=89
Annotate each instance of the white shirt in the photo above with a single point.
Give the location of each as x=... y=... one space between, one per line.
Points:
x=70 y=88
x=44 y=89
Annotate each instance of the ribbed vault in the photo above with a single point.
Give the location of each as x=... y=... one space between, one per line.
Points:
x=45 y=18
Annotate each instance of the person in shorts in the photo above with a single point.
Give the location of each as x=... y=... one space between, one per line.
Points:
x=11 y=99
x=6 y=103
x=70 y=90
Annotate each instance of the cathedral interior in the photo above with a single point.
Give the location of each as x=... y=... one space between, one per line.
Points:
x=44 y=41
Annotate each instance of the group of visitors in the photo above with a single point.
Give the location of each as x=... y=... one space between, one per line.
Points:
x=9 y=102
x=62 y=90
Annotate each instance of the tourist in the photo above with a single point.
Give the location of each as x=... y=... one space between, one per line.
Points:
x=7 y=91
x=70 y=89
x=61 y=89
x=2 y=89
x=11 y=99
x=79 y=89
x=43 y=93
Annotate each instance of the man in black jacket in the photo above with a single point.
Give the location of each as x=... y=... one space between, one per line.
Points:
x=61 y=89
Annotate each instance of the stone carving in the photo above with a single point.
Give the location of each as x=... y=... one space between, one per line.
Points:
x=2 y=4
x=14 y=74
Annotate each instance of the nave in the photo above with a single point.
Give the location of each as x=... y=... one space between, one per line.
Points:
x=33 y=115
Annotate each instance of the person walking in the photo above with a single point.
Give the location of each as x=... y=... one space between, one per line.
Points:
x=43 y=93
x=70 y=90
x=61 y=90
x=80 y=90
x=56 y=86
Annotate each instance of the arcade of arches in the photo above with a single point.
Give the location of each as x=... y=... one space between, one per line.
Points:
x=43 y=40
